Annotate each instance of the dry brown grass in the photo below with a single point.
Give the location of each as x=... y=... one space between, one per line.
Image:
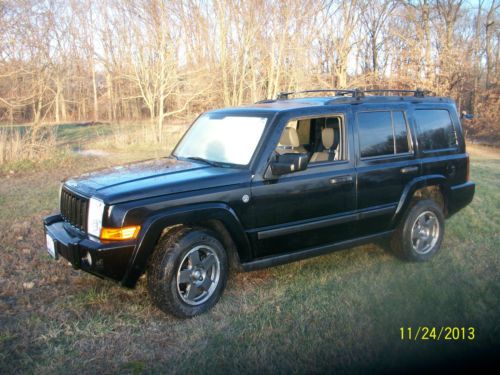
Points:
x=35 y=143
x=482 y=152
x=56 y=143
x=144 y=135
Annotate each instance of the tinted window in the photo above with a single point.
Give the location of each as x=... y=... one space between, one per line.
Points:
x=435 y=129
x=375 y=134
x=400 y=131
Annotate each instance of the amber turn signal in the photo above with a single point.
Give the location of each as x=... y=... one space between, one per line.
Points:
x=125 y=233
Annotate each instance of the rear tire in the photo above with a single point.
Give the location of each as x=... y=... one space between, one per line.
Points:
x=187 y=272
x=419 y=236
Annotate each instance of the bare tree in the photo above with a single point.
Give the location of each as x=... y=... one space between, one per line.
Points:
x=339 y=20
x=492 y=30
x=158 y=60
x=374 y=17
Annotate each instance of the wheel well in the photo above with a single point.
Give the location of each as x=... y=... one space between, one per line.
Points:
x=223 y=236
x=434 y=192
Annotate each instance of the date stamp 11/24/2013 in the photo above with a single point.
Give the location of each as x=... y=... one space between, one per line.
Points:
x=443 y=333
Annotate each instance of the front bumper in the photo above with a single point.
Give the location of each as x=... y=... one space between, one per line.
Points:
x=109 y=260
x=460 y=196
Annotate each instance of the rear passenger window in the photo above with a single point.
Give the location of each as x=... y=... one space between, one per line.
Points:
x=435 y=129
x=382 y=133
x=375 y=134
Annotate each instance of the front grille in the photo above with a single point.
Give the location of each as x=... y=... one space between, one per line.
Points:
x=74 y=209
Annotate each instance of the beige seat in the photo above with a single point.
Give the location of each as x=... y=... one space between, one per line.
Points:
x=328 y=153
x=289 y=142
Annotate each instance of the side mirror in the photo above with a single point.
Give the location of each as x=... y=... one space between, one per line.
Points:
x=288 y=163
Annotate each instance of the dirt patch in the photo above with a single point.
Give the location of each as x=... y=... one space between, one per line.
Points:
x=95 y=153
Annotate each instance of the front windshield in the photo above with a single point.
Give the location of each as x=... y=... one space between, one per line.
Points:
x=222 y=139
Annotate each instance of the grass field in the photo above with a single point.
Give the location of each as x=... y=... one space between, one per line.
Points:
x=336 y=313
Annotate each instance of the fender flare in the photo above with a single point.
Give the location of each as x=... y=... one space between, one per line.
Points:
x=414 y=185
x=154 y=225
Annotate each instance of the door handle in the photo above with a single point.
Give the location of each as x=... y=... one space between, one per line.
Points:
x=451 y=169
x=409 y=169
x=340 y=180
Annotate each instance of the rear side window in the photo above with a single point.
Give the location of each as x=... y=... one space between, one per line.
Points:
x=382 y=133
x=435 y=129
x=375 y=134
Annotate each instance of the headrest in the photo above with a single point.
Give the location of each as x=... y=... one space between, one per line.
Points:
x=290 y=138
x=327 y=137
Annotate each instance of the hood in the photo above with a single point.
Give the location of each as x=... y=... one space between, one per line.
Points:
x=154 y=178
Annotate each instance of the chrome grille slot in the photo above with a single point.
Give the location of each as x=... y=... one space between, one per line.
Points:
x=74 y=209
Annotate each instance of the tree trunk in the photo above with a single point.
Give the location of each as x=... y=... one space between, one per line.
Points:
x=160 y=119
x=62 y=103
x=373 y=45
x=428 y=46
x=490 y=55
x=94 y=90
x=477 y=60
x=57 y=103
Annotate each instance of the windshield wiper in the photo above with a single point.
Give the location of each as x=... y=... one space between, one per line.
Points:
x=209 y=162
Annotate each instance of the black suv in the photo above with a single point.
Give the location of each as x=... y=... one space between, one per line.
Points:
x=266 y=184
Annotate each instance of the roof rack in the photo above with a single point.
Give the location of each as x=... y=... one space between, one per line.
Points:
x=355 y=93
x=418 y=92
x=338 y=92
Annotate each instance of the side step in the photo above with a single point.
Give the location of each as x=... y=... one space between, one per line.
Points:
x=275 y=260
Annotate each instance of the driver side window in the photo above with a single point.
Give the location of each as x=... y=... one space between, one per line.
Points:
x=321 y=138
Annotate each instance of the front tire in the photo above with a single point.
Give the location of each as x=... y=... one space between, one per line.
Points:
x=187 y=272
x=419 y=236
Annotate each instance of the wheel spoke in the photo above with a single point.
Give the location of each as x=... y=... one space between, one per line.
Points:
x=418 y=244
x=431 y=222
x=194 y=258
x=206 y=284
x=184 y=276
x=193 y=292
x=421 y=221
x=414 y=234
x=425 y=242
x=208 y=262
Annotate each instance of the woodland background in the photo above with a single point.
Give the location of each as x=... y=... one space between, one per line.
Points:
x=67 y=61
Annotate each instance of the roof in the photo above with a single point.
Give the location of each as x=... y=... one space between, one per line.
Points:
x=283 y=103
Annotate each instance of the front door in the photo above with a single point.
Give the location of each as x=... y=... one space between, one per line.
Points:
x=313 y=207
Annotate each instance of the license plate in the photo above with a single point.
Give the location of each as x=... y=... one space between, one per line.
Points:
x=51 y=248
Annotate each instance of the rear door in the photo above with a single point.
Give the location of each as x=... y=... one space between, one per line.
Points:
x=440 y=142
x=385 y=163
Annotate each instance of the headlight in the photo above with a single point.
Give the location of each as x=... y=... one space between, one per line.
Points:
x=96 y=211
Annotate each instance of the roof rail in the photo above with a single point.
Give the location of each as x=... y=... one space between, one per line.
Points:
x=418 y=92
x=338 y=92
x=355 y=93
